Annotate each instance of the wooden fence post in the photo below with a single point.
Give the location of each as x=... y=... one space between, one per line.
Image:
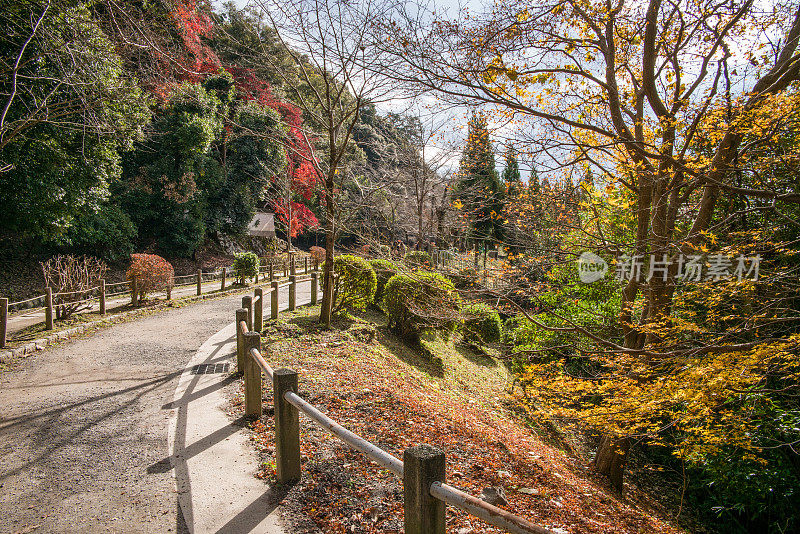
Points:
x=258 y=309
x=422 y=466
x=102 y=294
x=48 y=309
x=222 y=280
x=247 y=304
x=3 y=321
x=285 y=269
x=485 y=252
x=241 y=315
x=292 y=266
x=292 y=292
x=316 y=264
x=252 y=376
x=305 y=265
x=169 y=288
x=287 y=427
x=314 y=287
x=199 y=282
x=273 y=304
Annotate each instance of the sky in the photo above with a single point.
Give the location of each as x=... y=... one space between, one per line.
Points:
x=451 y=122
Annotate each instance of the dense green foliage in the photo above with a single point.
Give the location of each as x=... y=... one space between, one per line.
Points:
x=201 y=169
x=482 y=323
x=72 y=111
x=384 y=270
x=418 y=258
x=414 y=302
x=246 y=265
x=356 y=284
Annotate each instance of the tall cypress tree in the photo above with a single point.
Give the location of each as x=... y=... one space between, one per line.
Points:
x=478 y=187
x=511 y=176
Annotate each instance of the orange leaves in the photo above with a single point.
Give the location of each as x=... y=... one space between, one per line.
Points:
x=152 y=273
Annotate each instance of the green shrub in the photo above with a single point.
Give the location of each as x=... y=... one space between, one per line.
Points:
x=384 y=270
x=417 y=258
x=272 y=245
x=465 y=278
x=481 y=323
x=356 y=284
x=419 y=301
x=107 y=233
x=246 y=266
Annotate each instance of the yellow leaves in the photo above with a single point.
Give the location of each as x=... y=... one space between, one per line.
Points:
x=704 y=396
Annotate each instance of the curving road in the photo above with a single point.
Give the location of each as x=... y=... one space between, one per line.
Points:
x=84 y=426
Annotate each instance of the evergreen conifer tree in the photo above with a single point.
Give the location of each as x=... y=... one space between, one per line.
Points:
x=478 y=187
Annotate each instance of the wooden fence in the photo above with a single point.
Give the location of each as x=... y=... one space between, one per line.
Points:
x=50 y=301
x=425 y=493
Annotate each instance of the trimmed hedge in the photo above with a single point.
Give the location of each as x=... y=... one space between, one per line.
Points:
x=466 y=278
x=153 y=273
x=419 y=301
x=246 y=266
x=356 y=284
x=482 y=323
x=418 y=258
x=384 y=270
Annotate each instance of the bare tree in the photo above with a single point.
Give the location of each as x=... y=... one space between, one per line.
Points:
x=331 y=46
x=426 y=167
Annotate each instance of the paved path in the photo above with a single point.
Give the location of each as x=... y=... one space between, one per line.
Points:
x=84 y=426
x=23 y=319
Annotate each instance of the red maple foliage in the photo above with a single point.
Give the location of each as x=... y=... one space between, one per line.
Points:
x=152 y=273
x=194 y=25
x=300 y=171
x=298 y=148
x=302 y=218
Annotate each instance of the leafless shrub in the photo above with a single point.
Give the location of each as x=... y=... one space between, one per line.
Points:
x=72 y=278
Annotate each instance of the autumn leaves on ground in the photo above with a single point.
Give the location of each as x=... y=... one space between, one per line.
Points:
x=395 y=396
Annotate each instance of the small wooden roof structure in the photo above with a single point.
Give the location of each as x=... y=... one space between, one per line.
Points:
x=262 y=225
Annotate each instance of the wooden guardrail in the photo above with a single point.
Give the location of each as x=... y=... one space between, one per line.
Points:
x=425 y=493
x=103 y=291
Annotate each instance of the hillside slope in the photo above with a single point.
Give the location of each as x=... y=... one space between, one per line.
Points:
x=375 y=385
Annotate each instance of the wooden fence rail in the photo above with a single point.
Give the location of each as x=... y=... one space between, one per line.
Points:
x=425 y=494
x=51 y=300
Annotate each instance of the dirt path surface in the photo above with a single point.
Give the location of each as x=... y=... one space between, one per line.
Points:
x=23 y=319
x=83 y=426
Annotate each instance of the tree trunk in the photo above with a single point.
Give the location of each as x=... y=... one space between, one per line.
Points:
x=612 y=454
x=327 y=280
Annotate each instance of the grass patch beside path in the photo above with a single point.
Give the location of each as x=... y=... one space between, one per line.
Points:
x=397 y=396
